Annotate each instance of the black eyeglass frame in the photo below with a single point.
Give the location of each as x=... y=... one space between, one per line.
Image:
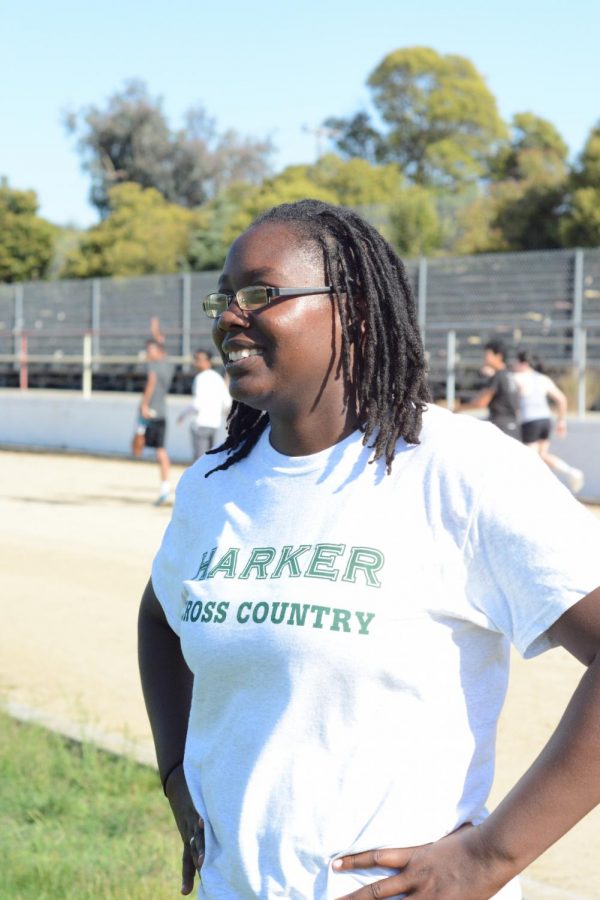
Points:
x=272 y=293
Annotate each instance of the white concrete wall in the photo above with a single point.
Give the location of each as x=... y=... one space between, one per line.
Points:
x=105 y=423
x=64 y=420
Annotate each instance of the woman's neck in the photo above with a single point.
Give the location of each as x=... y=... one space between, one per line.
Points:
x=310 y=435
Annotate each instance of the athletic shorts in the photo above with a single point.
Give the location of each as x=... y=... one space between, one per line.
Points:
x=536 y=430
x=155 y=433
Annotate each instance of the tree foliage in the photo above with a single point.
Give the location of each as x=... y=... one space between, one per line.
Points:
x=130 y=141
x=213 y=233
x=405 y=214
x=580 y=225
x=432 y=165
x=520 y=208
x=26 y=240
x=587 y=173
x=438 y=120
x=354 y=183
x=415 y=228
x=536 y=151
x=143 y=234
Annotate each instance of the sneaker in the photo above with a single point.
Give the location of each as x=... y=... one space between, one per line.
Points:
x=162 y=498
x=576 y=480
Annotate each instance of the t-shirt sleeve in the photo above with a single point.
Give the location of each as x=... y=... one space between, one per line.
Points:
x=196 y=392
x=493 y=383
x=534 y=551
x=175 y=558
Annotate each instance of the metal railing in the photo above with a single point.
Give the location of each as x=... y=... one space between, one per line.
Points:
x=548 y=301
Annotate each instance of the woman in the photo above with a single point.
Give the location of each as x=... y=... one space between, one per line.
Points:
x=343 y=578
x=535 y=389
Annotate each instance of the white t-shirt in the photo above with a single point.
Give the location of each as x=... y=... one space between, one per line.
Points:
x=533 y=395
x=211 y=401
x=349 y=636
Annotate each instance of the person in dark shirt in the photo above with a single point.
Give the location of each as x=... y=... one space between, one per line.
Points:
x=501 y=394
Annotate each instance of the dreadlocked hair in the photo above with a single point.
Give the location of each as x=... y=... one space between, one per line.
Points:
x=386 y=373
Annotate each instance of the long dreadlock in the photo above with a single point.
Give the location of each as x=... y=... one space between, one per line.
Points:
x=387 y=371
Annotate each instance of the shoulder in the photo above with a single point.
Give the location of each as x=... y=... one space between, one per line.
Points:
x=467 y=446
x=194 y=482
x=440 y=426
x=546 y=381
x=209 y=375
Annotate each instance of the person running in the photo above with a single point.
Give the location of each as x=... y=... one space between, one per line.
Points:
x=211 y=404
x=153 y=409
x=535 y=389
x=500 y=395
x=324 y=641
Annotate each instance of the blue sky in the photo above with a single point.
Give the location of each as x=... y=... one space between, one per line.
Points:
x=268 y=68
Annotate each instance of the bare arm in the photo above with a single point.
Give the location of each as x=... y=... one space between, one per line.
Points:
x=155 y=330
x=192 y=409
x=166 y=682
x=148 y=391
x=563 y=784
x=167 y=688
x=558 y=790
x=558 y=398
x=480 y=401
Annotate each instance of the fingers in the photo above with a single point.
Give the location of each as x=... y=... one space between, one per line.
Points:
x=196 y=845
x=192 y=858
x=188 y=870
x=392 y=858
x=395 y=886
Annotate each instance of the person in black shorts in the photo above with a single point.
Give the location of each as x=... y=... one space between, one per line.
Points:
x=153 y=409
x=501 y=394
x=536 y=389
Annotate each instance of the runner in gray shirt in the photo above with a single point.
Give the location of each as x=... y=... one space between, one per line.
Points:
x=153 y=409
x=501 y=394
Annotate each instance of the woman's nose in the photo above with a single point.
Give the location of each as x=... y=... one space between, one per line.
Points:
x=232 y=317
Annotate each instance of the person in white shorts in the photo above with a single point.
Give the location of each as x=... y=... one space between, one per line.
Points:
x=535 y=390
x=324 y=641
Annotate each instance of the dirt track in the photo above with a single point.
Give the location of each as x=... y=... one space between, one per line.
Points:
x=77 y=536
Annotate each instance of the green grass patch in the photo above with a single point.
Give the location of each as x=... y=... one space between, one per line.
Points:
x=76 y=822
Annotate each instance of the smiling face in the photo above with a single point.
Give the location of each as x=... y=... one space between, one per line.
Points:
x=285 y=357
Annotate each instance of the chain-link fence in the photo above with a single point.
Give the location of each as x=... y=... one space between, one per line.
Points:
x=548 y=302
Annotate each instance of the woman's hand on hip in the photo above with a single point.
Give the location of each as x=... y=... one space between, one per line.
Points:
x=457 y=867
x=191 y=828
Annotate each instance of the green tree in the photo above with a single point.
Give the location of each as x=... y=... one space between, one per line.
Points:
x=587 y=173
x=370 y=189
x=580 y=226
x=439 y=120
x=536 y=150
x=212 y=233
x=142 y=235
x=355 y=183
x=26 y=240
x=414 y=227
x=512 y=216
x=130 y=140
x=521 y=206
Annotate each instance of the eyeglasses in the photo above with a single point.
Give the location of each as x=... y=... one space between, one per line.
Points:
x=255 y=297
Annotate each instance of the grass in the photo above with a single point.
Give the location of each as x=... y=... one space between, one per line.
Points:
x=76 y=822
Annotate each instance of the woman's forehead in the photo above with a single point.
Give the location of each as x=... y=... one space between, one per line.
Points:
x=273 y=249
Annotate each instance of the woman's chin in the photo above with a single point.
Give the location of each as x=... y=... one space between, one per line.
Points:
x=242 y=393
